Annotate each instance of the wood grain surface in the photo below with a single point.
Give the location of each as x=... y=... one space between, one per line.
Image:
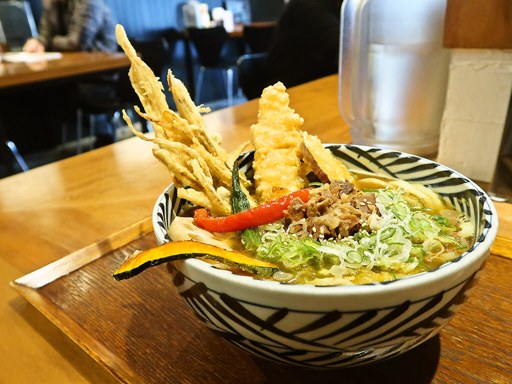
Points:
x=63 y=207
x=503 y=244
x=71 y=64
x=143 y=332
x=74 y=206
x=478 y=24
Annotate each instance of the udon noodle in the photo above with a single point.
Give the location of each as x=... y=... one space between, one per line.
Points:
x=371 y=230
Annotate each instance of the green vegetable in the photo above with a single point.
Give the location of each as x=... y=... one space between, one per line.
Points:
x=251 y=238
x=399 y=244
x=239 y=201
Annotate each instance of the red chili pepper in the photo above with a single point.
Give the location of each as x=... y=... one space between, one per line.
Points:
x=254 y=217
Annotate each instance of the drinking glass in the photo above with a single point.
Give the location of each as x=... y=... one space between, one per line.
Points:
x=394 y=72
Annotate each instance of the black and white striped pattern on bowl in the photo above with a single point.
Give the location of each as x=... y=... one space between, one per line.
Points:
x=294 y=329
x=327 y=339
x=463 y=194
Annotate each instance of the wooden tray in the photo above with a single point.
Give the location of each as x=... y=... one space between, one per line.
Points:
x=143 y=332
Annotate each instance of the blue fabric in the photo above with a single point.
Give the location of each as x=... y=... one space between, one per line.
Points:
x=150 y=18
x=37 y=9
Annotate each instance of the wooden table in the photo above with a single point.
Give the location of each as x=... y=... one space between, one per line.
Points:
x=54 y=210
x=71 y=64
x=18 y=77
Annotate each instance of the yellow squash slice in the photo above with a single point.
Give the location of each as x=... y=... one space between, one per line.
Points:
x=179 y=250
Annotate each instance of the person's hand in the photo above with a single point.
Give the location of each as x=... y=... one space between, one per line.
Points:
x=33 y=46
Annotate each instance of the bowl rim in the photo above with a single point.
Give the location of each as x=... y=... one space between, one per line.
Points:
x=478 y=252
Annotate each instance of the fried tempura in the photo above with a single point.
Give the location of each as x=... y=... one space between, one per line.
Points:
x=276 y=138
x=193 y=156
x=201 y=169
x=321 y=161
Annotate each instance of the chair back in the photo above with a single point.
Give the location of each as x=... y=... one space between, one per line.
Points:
x=153 y=52
x=258 y=37
x=17 y=23
x=252 y=74
x=208 y=43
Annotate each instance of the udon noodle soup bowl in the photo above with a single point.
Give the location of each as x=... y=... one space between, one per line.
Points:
x=339 y=326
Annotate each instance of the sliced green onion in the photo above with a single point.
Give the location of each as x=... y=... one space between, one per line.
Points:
x=403 y=237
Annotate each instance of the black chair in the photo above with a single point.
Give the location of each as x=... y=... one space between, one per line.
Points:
x=17 y=23
x=209 y=44
x=252 y=74
x=116 y=92
x=258 y=36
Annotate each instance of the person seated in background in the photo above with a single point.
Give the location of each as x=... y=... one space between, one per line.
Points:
x=74 y=25
x=79 y=25
x=306 y=42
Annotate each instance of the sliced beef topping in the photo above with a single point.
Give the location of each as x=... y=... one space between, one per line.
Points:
x=335 y=210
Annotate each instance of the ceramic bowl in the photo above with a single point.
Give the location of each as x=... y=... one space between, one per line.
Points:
x=339 y=326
